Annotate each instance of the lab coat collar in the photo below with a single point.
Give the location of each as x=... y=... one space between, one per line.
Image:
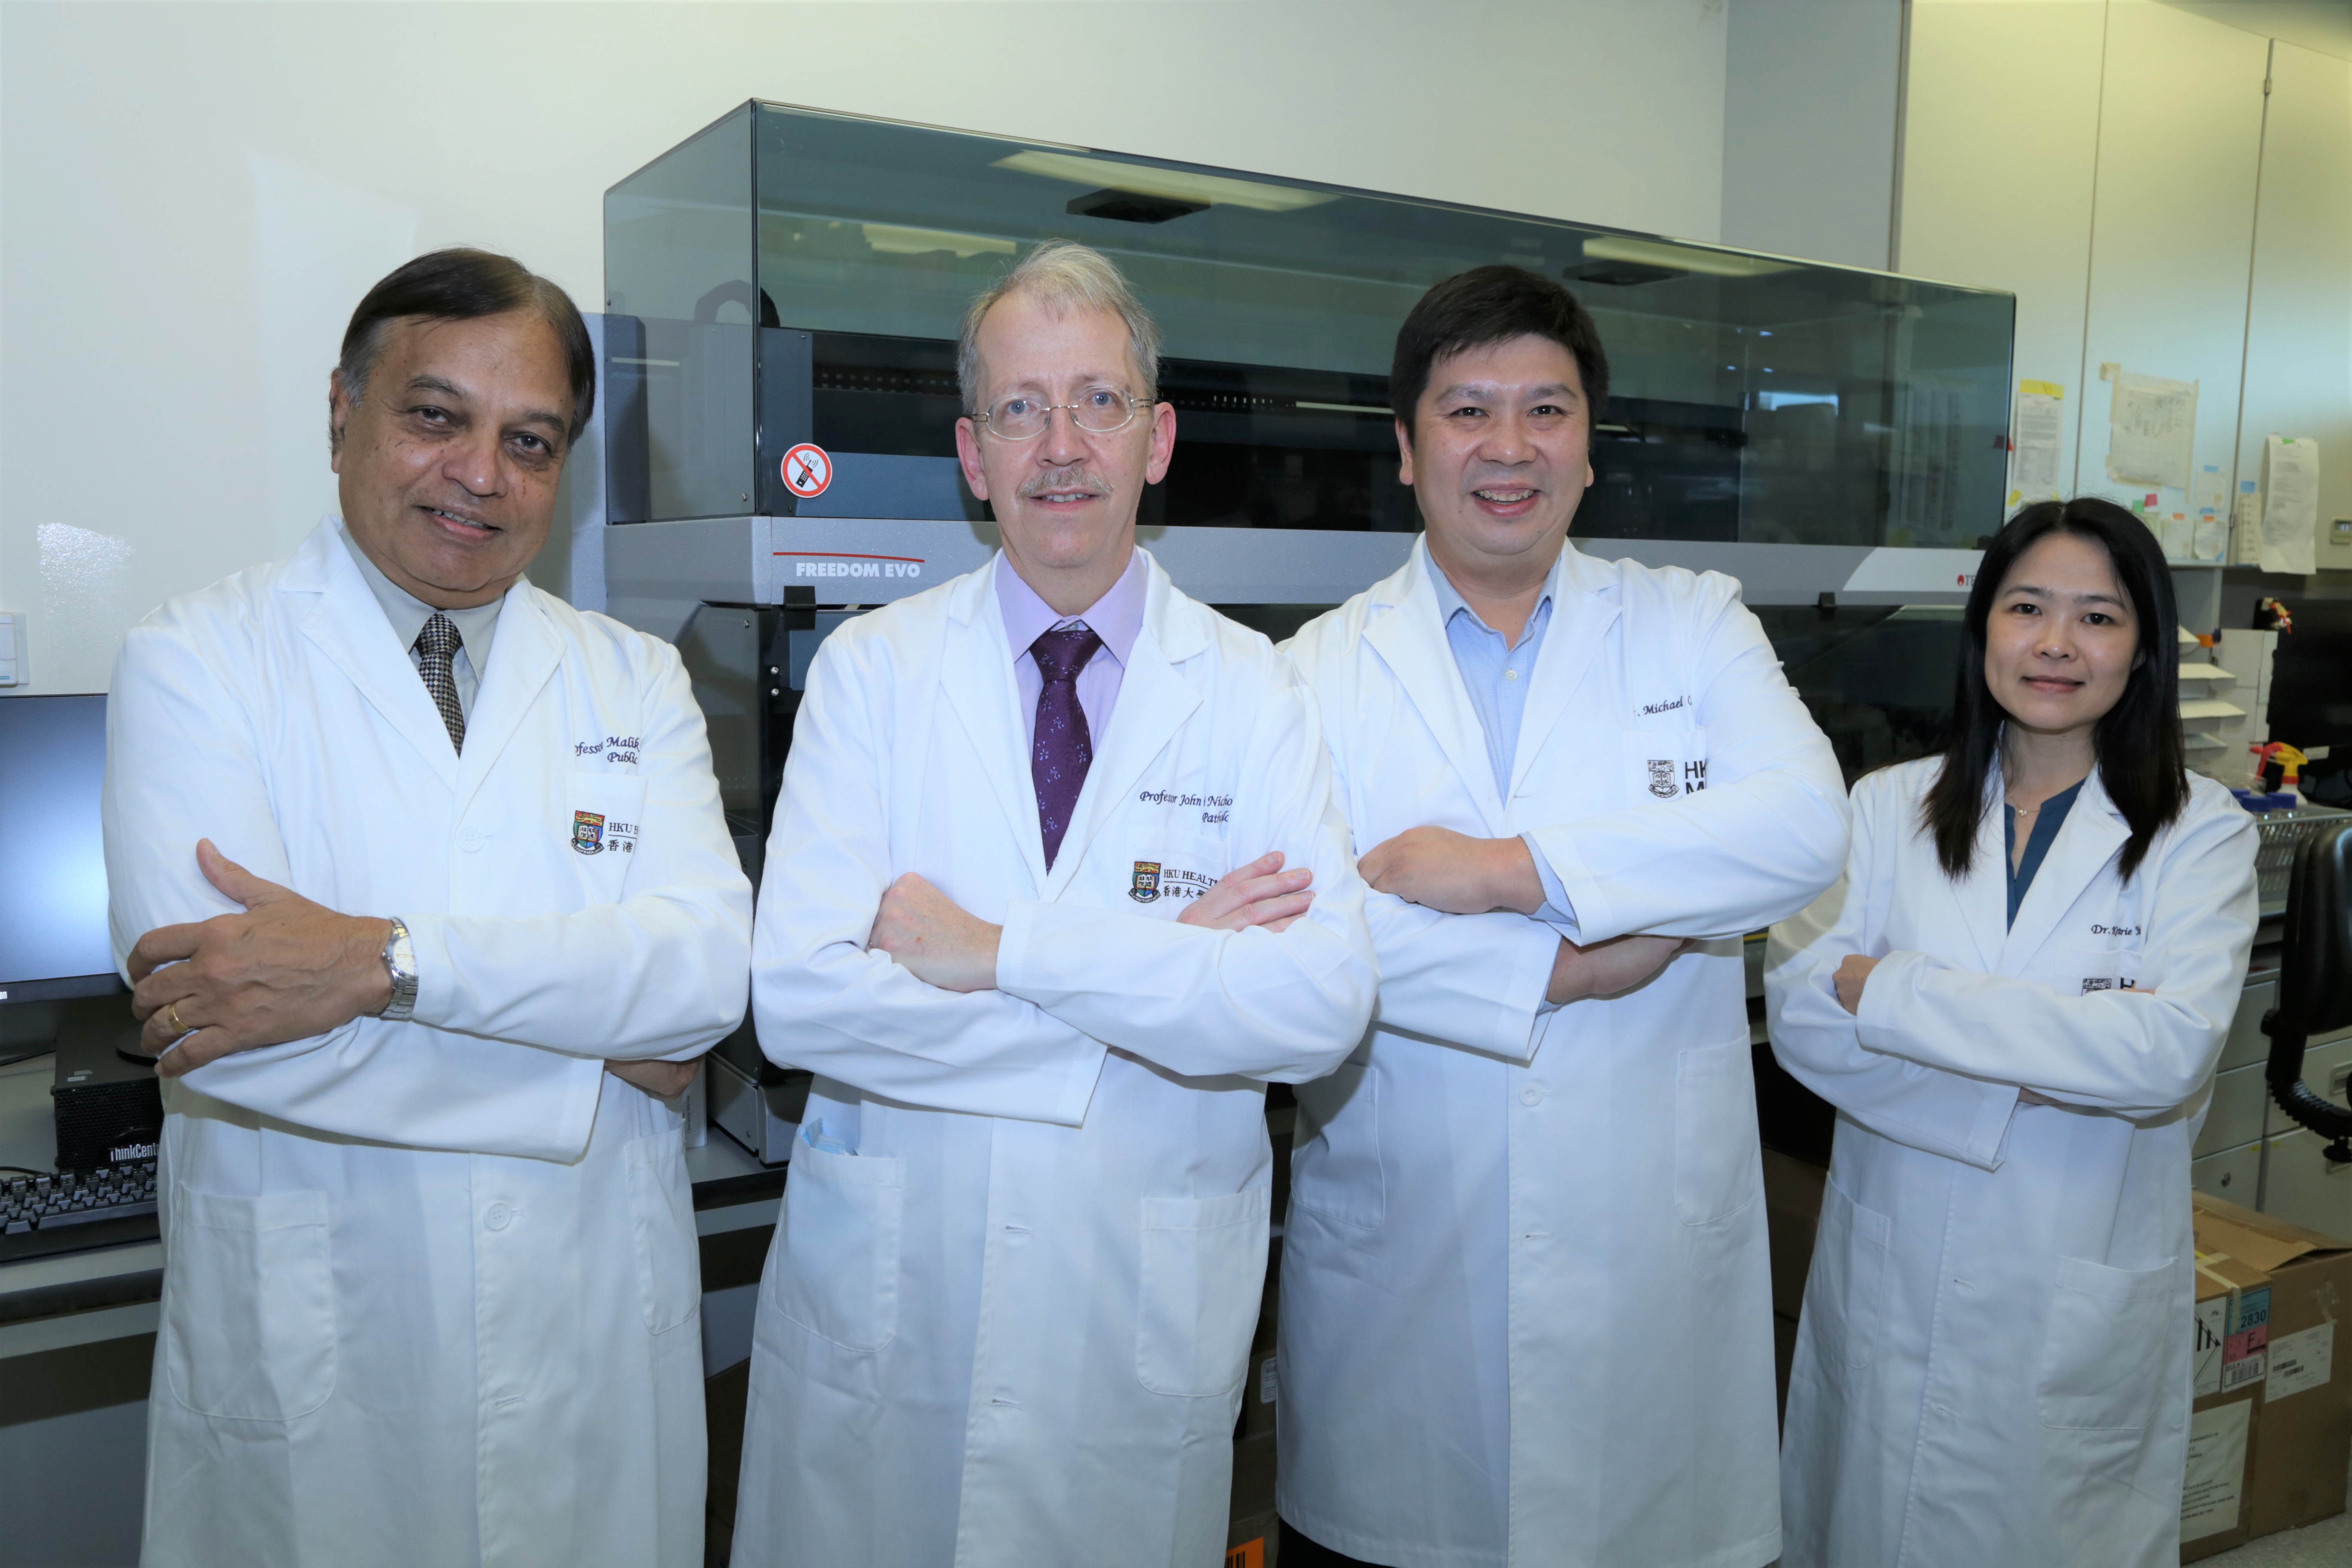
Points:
x=1154 y=701
x=528 y=649
x=1982 y=896
x=347 y=624
x=1585 y=604
x=1406 y=628
x=976 y=678
x=2087 y=840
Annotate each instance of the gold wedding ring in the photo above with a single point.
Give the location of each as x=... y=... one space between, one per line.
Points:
x=172 y=1022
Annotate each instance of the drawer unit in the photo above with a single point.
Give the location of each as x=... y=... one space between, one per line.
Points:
x=2235 y=1116
x=2300 y=1182
x=2247 y=1045
x=2234 y=1174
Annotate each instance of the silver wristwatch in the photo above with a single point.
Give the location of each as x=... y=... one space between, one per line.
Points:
x=400 y=959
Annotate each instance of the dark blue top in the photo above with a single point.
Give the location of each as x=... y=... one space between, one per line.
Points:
x=2051 y=817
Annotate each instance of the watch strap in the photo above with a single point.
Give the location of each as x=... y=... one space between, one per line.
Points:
x=399 y=962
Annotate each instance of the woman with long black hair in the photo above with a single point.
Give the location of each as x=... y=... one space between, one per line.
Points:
x=2015 y=999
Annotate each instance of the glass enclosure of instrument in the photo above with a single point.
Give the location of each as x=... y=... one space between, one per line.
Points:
x=791 y=277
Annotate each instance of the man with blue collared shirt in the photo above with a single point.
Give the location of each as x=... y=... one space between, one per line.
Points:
x=1525 y=1308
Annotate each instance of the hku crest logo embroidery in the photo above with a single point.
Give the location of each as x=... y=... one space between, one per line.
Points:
x=1661 y=778
x=1144 y=885
x=587 y=832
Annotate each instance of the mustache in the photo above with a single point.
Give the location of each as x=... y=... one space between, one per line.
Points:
x=1078 y=476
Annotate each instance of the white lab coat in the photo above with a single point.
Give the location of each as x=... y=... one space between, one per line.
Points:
x=1994 y=1357
x=1525 y=1312
x=1007 y=1320
x=431 y=1288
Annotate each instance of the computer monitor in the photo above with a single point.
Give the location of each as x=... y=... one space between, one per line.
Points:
x=53 y=936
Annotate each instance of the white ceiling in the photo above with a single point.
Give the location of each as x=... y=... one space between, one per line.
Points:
x=2322 y=25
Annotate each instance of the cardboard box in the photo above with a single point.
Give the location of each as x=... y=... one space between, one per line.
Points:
x=2303 y=1424
x=1792 y=1213
x=2231 y=1354
x=1258 y=1395
x=1253 y=1542
x=1252 y=1519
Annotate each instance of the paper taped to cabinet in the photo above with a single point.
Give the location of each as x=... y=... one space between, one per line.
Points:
x=2151 y=429
x=2290 y=505
x=2033 y=457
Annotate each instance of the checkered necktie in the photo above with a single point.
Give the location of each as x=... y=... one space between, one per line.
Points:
x=1062 y=749
x=437 y=645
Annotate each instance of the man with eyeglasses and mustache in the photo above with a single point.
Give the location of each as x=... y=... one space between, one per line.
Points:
x=1055 y=888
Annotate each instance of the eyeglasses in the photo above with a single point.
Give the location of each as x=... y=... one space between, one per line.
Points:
x=1100 y=411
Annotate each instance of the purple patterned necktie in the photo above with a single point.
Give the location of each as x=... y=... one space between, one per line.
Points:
x=1061 y=749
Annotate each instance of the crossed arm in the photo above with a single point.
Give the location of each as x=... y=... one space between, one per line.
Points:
x=937 y=941
x=286 y=969
x=1456 y=874
x=276 y=996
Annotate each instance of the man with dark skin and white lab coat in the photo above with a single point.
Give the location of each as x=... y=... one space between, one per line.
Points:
x=423 y=880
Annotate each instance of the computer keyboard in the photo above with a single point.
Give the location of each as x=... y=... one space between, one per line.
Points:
x=77 y=1209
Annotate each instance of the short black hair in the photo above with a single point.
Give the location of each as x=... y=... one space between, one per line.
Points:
x=1492 y=305
x=2142 y=756
x=461 y=284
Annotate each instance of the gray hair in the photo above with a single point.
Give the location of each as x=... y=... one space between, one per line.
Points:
x=1062 y=276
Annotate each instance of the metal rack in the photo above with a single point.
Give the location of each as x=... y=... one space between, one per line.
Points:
x=2284 y=832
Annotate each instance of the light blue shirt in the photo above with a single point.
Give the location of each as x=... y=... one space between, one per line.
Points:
x=1497 y=676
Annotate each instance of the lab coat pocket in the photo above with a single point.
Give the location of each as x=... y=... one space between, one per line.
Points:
x=661 y=1214
x=840 y=1246
x=1187 y=863
x=1204 y=1270
x=2105 y=1365
x=248 y=1331
x=1336 y=1173
x=606 y=812
x=1845 y=1294
x=1664 y=762
x=1717 y=1169
x=2082 y=970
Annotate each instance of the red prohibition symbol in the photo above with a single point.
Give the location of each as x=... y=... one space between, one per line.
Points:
x=807 y=470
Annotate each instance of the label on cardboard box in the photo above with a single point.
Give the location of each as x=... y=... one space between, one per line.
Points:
x=2300 y=1362
x=2245 y=1350
x=2212 y=1329
x=2216 y=1483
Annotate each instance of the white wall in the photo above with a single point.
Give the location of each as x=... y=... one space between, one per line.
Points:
x=2101 y=159
x=2001 y=142
x=196 y=195
x=2299 y=329
x=1810 y=90
x=2180 y=139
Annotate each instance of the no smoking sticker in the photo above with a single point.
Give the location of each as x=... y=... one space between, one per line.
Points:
x=807 y=470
